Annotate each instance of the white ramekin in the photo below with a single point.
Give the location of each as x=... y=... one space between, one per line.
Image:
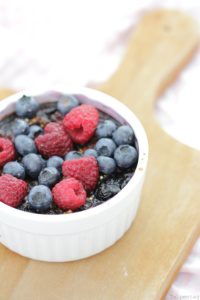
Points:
x=58 y=238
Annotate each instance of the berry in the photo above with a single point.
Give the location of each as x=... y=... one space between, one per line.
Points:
x=69 y=194
x=125 y=179
x=33 y=165
x=66 y=103
x=87 y=205
x=26 y=107
x=7 y=151
x=91 y=152
x=56 y=143
x=105 y=147
x=81 y=123
x=73 y=155
x=125 y=156
x=107 y=189
x=105 y=129
x=34 y=131
x=55 y=162
x=44 y=162
x=124 y=135
x=53 y=127
x=107 y=165
x=12 y=190
x=84 y=169
x=40 y=198
x=49 y=176
x=15 y=169
x=96 y=202
x=19 y=127
x=24 y=145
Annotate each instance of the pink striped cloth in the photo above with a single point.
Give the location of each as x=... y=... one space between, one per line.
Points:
x=82 y=42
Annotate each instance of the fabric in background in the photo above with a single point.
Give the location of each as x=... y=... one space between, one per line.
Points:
x=77 y=42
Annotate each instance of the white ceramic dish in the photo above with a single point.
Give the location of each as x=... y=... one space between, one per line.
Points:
x=58 y=238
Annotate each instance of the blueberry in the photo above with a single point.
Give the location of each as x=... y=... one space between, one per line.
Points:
x=25 y=145
x=66 y=103
x=90 y=152
x=125 y=179
x=87 y=205
x=49 y=176
x=15 y=169
x=56 y=162
x=107 y=189
x=107 y=165
x=105 y=129
x=124 y=135
x=125 y=156
x=96 y=202
x=73 y=155
x=33 y=165
x=27 y=107
x=44 y=162
x=34 y=131
x=40 y=198
x=105 y=147
x=19 y=127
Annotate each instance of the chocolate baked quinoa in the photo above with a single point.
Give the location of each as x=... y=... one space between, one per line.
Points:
x=63 y=156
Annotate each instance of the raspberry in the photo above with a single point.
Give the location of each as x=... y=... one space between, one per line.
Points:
x=69 y=194
x=81 y=123
x=12 y=190
x=55 y=141
x=7 y=151
x=84 y=169
x=54 y=127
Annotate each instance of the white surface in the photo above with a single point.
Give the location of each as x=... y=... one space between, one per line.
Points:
x=63 y=41
x=61 y=237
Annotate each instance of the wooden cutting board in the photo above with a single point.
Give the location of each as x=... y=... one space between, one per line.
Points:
x=143 y=263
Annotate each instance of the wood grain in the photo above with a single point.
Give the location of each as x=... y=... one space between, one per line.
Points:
x=142 y=265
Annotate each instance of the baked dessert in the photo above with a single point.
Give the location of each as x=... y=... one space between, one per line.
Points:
x=63 y=156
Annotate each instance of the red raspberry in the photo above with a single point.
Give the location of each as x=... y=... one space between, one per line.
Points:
x=84 y=169
x=54 y=127
x=55 y=141
x=81 y=123
x=7 y=151
x=12 y=190
x=69 y=194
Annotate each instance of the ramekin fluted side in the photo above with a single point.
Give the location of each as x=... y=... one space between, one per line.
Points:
x=67 y=247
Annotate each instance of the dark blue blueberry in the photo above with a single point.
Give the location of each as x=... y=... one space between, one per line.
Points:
x=107 y=165
x=73 y=155
x=125 y=156
x=25 y=145
x=105 y=147
x=27 y=107
x=34 y=131
x=15 y=169
x=107 y=189
x=40 y=198
x=49 y=176
x=96 y=202
x=124 y=135
x=55 y=162
x=91 y=152
x=19 y=127
x=66 y=103
x=33 y=165
x=105 y=129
